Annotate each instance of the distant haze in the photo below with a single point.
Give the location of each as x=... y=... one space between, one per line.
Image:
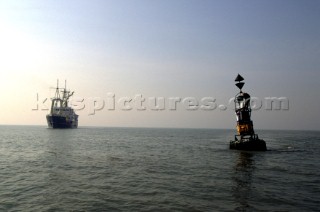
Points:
x=185 y=53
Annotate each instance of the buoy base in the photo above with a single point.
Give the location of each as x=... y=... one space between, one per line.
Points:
x=251 y=143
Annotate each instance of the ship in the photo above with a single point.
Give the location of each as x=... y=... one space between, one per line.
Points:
x=61 y=114
x=246 y=139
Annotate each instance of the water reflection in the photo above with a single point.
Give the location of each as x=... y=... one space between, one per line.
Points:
x=59 y=156
x=243 y=174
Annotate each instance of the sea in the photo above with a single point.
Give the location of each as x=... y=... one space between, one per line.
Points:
x=155 y=169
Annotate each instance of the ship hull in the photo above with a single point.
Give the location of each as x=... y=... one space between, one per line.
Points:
x=61 y=122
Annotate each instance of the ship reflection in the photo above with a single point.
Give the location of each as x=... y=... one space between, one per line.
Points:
x=242 y=181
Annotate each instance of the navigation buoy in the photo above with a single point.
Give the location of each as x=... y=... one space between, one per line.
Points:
x=246 y=139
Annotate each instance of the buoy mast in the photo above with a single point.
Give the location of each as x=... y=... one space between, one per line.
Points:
x=246 y=139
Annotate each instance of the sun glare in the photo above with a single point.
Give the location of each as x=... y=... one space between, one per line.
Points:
x=19 y=51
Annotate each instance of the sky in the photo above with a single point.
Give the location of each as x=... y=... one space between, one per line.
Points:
x=185 y=53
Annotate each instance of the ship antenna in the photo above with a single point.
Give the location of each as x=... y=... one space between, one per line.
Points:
x=57 y=95
x=57 y=89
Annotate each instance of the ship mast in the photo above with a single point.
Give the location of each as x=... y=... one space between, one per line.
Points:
x=56 y=100
x=61 y=100
x=66 y=95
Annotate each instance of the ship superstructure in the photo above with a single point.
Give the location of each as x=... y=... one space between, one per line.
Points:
x=61 y=115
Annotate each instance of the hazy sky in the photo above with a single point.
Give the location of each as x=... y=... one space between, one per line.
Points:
x=161 y=48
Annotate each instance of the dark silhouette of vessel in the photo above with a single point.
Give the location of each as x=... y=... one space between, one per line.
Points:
x=61 y=115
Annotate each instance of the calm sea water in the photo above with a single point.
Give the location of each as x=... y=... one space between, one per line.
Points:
x=136 y=169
